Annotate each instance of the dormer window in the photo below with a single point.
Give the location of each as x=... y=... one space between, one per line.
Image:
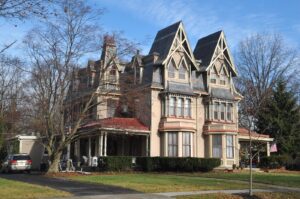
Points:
x=171 y=69
x=182 y=70
x=213 y=78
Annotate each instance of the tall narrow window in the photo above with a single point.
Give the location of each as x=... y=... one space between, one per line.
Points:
x=172 y=106
x=182 y=70
x=229 y=112
x=112 y=75
x=223 y=111
x=179 y=107
x=217 y=146
x=229 y=146
x=172 y=69
x=186 y=144
x=187 y=108
x=172 y=144
x=111 y=107
x=213 y=78
x=216 y=110
x=207 y=112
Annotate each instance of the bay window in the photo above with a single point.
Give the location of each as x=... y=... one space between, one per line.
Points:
x=179 y=107
x=229 y=146
x=172 y=106
x=223 y=111
x=217 y=146
x=186 y=144
x=172 y=144
x=216 y=111
x=187 y=108
x=229 y=112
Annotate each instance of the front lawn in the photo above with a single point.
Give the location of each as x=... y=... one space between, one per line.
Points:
x=283 y=179
x=156 y=182
x=16 y=190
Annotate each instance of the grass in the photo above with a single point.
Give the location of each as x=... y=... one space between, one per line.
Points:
x=153 y=183
x=16 y=190
x=256 y=196
x=283 y=179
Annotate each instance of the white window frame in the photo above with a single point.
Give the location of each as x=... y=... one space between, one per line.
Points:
x=172 y=144
x=230 y=146
x=186 y=144
x=217 y=146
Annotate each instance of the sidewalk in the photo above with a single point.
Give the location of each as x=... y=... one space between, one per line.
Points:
x=174 y=194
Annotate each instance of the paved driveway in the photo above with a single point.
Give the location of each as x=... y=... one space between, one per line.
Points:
x=76 y=188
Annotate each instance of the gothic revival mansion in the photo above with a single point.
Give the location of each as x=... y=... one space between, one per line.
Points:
x=173 y=102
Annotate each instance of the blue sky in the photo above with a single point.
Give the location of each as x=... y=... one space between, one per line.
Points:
x=141 y=19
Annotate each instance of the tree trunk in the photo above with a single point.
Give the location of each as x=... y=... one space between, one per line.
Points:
x=250 y=170
x=54 y=165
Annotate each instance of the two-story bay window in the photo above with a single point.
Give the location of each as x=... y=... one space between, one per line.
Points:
x=229 y=112
x=223 y=105
x=216 y=110
x=172 y=106
x=179 y=107
x=229 y=146
x=172 y=144
x=187 y=108
x=217 y=146
x=186 y=144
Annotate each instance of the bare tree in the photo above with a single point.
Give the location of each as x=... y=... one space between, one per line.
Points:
x=55 y=50
x=262 y=60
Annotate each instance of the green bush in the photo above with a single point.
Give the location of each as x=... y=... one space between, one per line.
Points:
x=273 y=162
x=115 y=163
x=294 y=164
x=177 y=164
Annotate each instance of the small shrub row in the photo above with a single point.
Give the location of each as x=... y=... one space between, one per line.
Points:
x=273 y=162
x=177 y=164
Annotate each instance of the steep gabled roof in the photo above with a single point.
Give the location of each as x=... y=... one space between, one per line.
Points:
x=212 y=47
x=164 y=39
x=205 y=48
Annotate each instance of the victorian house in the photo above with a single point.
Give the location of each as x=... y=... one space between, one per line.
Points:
x=173 y=102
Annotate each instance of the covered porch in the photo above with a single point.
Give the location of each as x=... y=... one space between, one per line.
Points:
x=110 y=137
x=260 y=146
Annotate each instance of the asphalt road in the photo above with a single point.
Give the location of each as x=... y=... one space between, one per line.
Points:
x=74 y=187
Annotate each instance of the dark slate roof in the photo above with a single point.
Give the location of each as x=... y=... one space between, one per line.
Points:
x=163 y=40
x=222 y=93
x=205 y=48
x=181 y=88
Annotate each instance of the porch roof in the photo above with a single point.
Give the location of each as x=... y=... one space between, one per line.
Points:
x=119 y=124
x=244 y=134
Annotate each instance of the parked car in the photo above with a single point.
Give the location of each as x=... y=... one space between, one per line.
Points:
x=17 y=162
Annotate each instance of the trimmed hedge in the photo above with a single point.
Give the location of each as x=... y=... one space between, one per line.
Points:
x=177 y=164
x=115 y=163
x=148 y=164
x=273 y=162
x=294 y=164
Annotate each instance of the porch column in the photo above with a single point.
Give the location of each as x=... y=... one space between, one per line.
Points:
x=105 y=143
x=268 y=149
x=77 y=149
x=89 y=151
x=179 y=141
x=100 y=145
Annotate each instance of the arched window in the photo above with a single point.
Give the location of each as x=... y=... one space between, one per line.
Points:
x=172 y=69
x=182 y=70
x=112 y=77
